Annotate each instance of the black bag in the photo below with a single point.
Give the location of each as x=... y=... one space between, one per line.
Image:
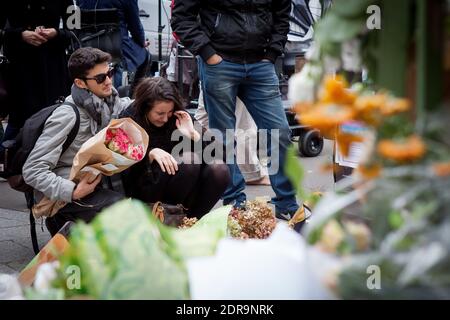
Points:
x=171 y=215
x=100 y=28
x=18 y=150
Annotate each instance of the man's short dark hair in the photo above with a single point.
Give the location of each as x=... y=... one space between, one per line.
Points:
x=84 y=59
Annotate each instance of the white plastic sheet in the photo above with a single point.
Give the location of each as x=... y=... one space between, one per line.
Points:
x=274 y=269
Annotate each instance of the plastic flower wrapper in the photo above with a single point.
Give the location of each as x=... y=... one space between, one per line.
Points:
x=126 y=253
x=243 y=269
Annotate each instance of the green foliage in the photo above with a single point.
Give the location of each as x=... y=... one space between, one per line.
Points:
x=295 y=172
x=126 y=253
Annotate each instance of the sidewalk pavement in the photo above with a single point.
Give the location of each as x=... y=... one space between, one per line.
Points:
x=15 y=242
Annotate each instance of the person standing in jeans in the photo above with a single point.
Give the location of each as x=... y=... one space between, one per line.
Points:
x=237 y=42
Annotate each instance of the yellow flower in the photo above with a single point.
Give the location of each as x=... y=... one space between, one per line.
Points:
x=368 y=108
x=332 y=237
x=345 y=140
x=301 y=107
x=369 y=171
x=335 y=91
x=369 y=103
x=326 y=118
x=360 y=232
x=394 y=106
x=411 y=149
x=441 y=169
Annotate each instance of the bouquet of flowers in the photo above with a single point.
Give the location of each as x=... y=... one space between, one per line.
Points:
x=115 y=148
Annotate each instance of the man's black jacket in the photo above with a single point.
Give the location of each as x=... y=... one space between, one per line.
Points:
x=242 y=31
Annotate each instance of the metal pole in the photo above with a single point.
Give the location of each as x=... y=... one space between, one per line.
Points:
x=160 y=29
x=180 y=69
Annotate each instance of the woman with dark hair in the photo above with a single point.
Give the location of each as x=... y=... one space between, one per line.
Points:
x=160 y=177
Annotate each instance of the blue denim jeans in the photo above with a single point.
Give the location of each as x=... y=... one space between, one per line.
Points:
x=257 y=86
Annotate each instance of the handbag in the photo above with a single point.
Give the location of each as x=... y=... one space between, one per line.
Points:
x=100 y=28
x=168 y=214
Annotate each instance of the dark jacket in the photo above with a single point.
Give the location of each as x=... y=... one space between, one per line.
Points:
x=3 y=87
x=132 y=47
x=143 y=173
x=2 y=26
x=242 y=31
x=39 y=75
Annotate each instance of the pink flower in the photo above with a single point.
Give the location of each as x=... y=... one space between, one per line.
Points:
x=117 y=140
x=135 y=152
x=122 y=136
x=109 y=135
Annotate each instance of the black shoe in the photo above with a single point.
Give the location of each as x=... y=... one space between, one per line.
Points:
x=303 y=213
x=290 y=214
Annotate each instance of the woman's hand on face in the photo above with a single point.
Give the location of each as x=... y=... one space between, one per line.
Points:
x=166 y=162
x=185 y=125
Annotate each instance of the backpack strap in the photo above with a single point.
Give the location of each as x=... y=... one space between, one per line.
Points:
x=73 y=133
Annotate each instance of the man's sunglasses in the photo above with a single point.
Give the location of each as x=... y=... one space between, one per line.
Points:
x=100 y=78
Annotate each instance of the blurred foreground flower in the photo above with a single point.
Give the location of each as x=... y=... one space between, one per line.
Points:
x=406 y=150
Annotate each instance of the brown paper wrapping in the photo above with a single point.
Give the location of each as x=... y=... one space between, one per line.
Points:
x=95 y=157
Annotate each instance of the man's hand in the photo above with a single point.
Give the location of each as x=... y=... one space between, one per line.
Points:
x=166 y=162
x=86 y=186
x=33 y=38
x=215 y=59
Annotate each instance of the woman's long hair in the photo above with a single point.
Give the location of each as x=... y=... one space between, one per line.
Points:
x=151 y=90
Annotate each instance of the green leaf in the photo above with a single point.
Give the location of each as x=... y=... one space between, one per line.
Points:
x=126 y=253
x=395 y=220
x=352 y=8
x=335 y=29
x=295 y=172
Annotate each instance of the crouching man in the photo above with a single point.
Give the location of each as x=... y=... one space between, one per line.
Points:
x=46 y=169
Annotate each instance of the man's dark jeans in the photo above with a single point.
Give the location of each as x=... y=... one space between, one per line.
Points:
x=257 y=85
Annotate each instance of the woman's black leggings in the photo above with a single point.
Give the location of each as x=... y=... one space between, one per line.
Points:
x=197 y=187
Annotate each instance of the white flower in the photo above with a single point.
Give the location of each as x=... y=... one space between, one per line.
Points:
x=45 y=274
x=302 y=85
x=10 y=288
x=332 y=236
x=351 y=55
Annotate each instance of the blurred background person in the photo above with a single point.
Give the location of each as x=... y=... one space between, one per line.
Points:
x=36 y=48
x=136 y=58
x=253 y=170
